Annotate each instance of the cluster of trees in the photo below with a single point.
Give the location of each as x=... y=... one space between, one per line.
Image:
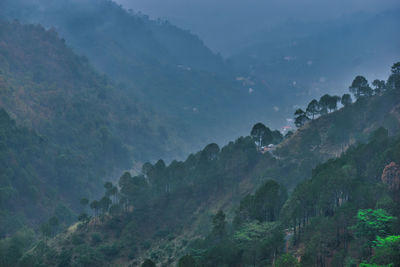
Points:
x=254 y=237
x=29 y=173
x=359 y=88
x=319 y=214
x=321 y=211
x=264 y=205
x=326 y=104
x=264 y=136
x=342 y=215
x=164 y=197
x=211 y=166
x=13 y=248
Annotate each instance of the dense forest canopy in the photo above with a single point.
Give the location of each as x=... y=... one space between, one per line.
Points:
x=101 y=106
x=243 y=205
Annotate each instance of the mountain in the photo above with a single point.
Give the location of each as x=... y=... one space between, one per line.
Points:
x=164 y=213
x=65 y=128
x=168 y=69
x=47 y=87
x=295 y=61
x=30 y=175
x=174 y=72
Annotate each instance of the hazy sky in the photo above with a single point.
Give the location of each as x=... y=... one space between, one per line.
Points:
x=210 y=19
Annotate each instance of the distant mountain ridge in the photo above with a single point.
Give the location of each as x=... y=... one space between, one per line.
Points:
x=168 y=69
x=296 y=61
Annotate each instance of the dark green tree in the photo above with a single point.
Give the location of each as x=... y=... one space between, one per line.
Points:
x=379 y=86
x=277 y=137
x=259 y=132
x=219 y=225
x=300 y=118
x=148 y=263
x=372 y=223
x=313 y=108
x=268 y=200
x=387 y=251
x=105 y=204
x=95 y=206
x=393 y=82
x=346 y=100
x=287 y=260
x=187 y=261
x=332 y=102
x=360 y=87
x=210 y=152
x=324 y=103
x=396 y=68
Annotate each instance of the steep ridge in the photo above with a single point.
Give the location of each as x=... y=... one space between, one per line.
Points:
x=161 y=213
x=171 y=70
x=32 y=178
x=353 y=124
x=45 y=86
x=82 y=129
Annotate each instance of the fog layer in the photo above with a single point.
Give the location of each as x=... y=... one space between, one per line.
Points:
x=225 y=25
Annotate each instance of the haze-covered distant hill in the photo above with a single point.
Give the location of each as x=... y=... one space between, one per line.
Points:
x=47 y=87
x=71 y=128
x=177 y=75
x=170 y=69
x=296 y=60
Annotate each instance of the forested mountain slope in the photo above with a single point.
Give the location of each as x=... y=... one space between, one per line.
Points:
x=345 y=214
x=322 y=139
x=31 y=178
x=82 y=128
x=45 y=86
x=171 y=70
x=165 y=212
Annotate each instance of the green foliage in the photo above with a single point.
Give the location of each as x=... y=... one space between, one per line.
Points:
x=151 y=208
x=263 y=136
x=148 y=263
x=12 y=249
x=264 y=205
x=393 y=83
x=219 y=225
x=346 y=100
x=95 y=239
x=109 y=251
x=286 y=260
x=313 y=108
x=373 y=223
x=187 y=261
x=87 y=256
x=328 y=103
x=360 y=87
x=301 y=118
x=387 y=251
